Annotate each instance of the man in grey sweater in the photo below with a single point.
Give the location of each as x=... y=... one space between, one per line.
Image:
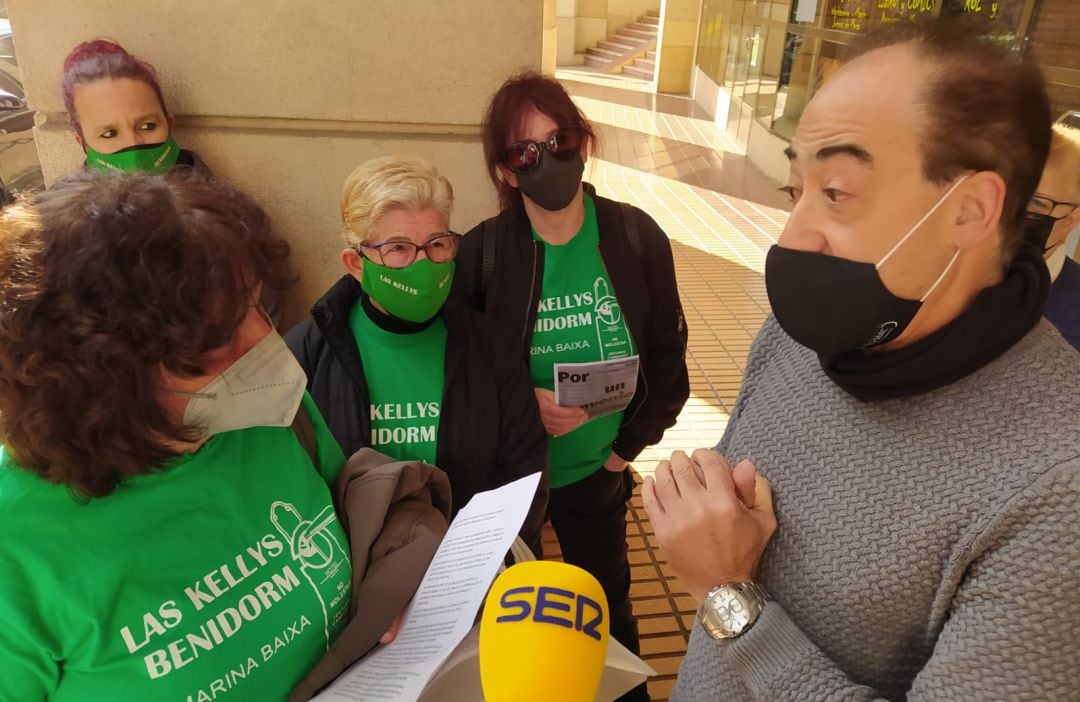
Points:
x=903 y=517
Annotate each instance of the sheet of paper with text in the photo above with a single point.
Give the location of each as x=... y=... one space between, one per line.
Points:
x=446 y=603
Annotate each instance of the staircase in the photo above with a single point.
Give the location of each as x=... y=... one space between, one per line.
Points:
x=642 y=67
x=632 y=49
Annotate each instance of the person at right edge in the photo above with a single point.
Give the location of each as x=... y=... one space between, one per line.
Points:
x=578 y=282
x=1053 y=212
x=906 y=405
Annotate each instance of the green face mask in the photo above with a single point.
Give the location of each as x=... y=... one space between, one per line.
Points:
x=415 y=293
x=143 y=158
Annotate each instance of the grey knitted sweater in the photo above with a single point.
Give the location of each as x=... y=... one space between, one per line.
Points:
x=928 y=548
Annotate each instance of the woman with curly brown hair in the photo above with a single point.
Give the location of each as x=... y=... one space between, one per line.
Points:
x=165 y=535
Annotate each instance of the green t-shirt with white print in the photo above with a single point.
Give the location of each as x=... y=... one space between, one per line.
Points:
x=578 y=321
x=405 y=374
x=224 y=576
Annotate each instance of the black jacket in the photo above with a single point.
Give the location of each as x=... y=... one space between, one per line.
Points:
x=489 y=427
x=1063 y=305
x=644 y=283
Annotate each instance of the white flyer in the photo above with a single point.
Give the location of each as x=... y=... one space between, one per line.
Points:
x=445 y=606
x=600 y=388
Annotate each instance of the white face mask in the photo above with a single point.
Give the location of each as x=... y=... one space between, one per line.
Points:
x=263 y=388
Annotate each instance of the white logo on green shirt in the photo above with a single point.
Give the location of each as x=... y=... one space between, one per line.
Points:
x=315 y=551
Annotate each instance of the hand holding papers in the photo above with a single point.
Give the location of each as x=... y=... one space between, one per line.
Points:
x=599 y=388
x=435 y=657
x=445 y=605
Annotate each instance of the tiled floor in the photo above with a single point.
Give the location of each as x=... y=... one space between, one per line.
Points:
x=662 y=154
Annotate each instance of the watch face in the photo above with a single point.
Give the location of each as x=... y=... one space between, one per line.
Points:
x=730 y=609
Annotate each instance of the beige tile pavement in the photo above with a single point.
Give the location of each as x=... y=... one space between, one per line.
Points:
x=661 y=153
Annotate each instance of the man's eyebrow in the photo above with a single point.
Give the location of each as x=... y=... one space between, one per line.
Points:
x=857 y=152
x=827 y=152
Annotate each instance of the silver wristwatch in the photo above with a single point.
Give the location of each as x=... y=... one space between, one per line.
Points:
x=730 y=610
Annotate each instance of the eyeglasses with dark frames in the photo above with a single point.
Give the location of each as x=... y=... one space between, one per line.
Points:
x=400 y=253
x=1042 y=205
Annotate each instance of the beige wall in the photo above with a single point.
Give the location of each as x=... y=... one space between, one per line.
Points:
x=285 y=98
x=622 y=12
x=675 y=46
x=590 y=24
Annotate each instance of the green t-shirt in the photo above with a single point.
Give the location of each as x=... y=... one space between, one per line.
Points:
x=578 y=321
x=225 y=575
x=405 y=375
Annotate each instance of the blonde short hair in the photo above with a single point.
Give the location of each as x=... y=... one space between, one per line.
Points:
x=1065 y=152
x=388 y=183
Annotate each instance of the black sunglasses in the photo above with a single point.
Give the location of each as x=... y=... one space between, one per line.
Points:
x=563 y=144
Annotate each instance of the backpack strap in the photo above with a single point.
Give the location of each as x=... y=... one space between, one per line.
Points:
x=487 y=232
x=630 y=227
x=487 y=263
x=305 y=434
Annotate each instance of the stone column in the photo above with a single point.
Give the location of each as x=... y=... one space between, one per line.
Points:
x=675 y=46
x=286 y=98
x=566 y=18
x=551 y=38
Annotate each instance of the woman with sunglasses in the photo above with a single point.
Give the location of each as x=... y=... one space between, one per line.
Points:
x=578 y=278
x=393 y=365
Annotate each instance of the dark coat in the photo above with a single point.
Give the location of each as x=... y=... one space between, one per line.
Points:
x=643 y=282
x=489 y=432
x=1063 y=305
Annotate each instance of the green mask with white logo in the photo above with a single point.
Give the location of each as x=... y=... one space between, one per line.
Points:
x=142 y=158
x=415 y=293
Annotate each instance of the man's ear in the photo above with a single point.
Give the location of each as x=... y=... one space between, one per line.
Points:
x=354 y=263
x=172 y=121
x=982 y=199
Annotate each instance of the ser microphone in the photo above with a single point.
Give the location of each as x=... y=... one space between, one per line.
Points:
x=543 y=634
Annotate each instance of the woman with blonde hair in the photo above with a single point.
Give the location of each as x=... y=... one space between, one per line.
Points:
x=392 y=364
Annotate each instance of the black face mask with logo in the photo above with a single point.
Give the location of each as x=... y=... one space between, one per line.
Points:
x=831 y=304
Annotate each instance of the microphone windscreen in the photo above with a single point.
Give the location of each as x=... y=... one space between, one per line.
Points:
x=543 y=634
